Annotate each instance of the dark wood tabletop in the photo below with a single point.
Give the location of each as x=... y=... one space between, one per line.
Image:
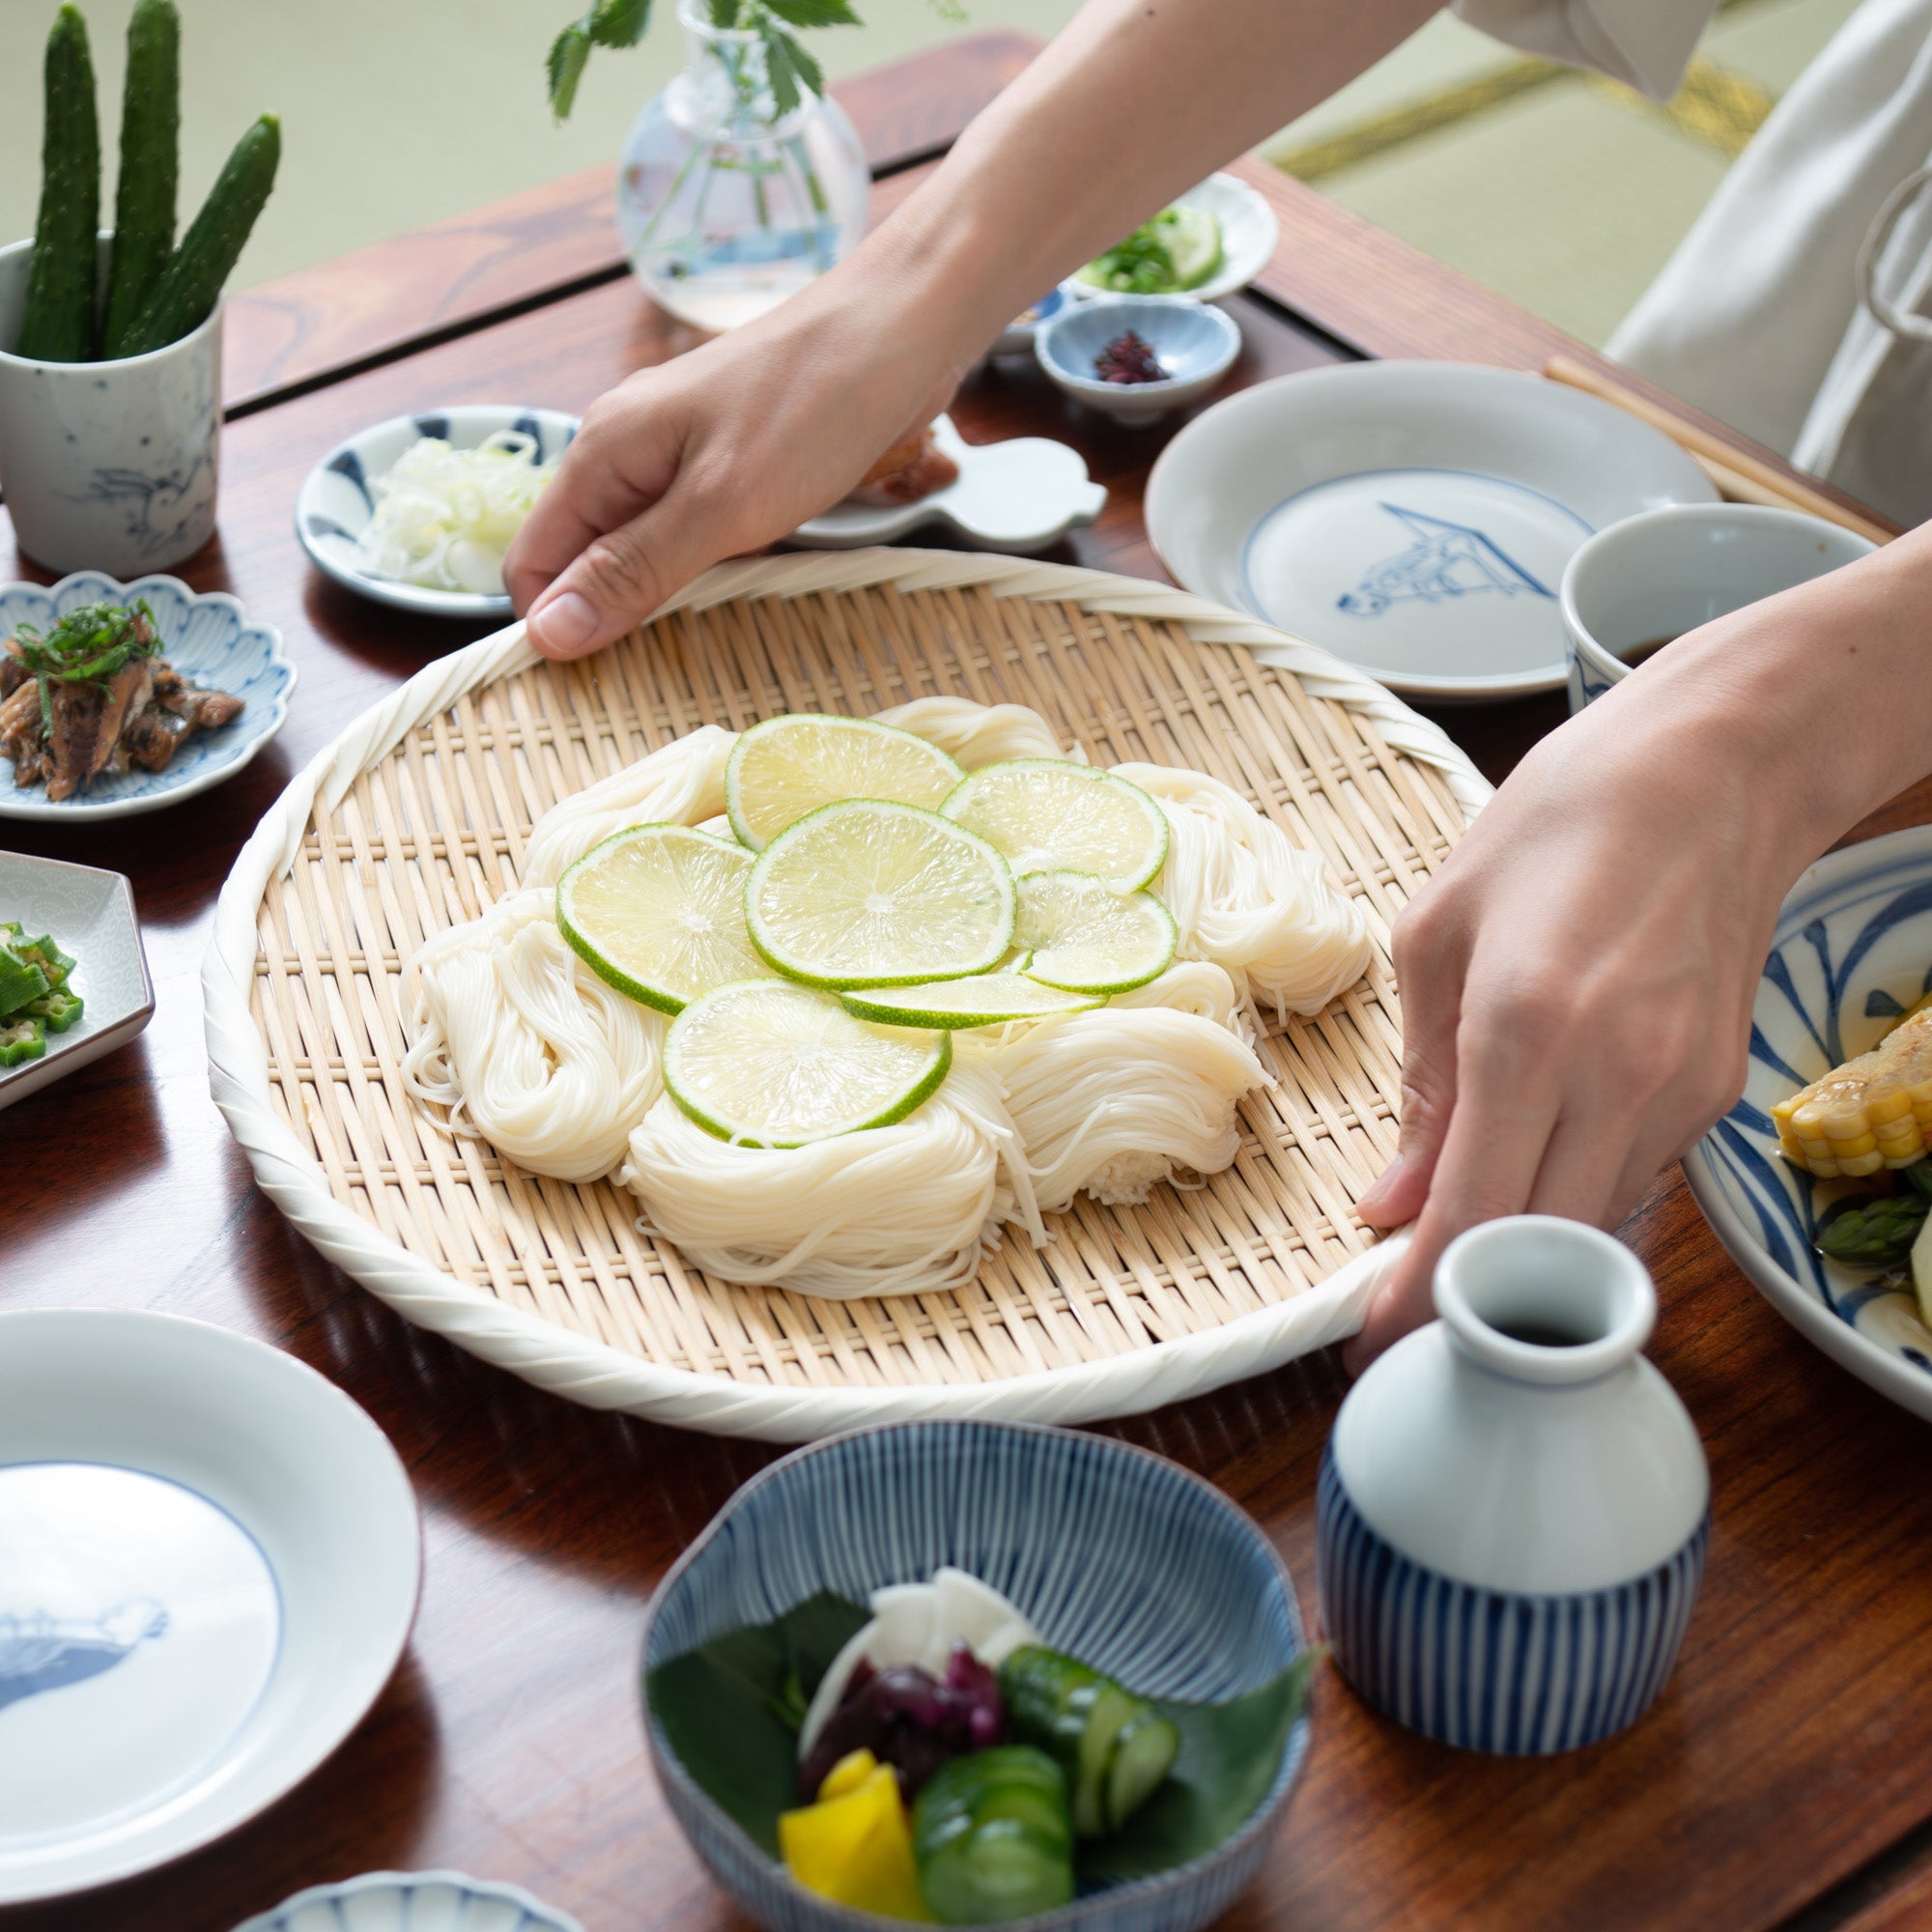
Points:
x=1780 y=1781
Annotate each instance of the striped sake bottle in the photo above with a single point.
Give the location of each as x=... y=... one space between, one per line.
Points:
x=1514 y=1506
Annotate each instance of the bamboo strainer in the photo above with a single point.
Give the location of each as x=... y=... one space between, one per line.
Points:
x=416 y=817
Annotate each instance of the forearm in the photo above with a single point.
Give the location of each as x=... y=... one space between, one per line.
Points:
x=1130 y=105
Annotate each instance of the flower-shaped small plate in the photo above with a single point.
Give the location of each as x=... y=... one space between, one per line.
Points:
x=1021 y=497
x=433 y=1901
x=337 y=497
x=208 y=638
x=1249 y=231
x=88 y=914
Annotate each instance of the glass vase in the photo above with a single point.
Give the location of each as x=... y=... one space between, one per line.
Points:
x=727 y=204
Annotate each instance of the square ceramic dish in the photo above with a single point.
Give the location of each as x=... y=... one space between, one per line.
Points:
x=91 y=913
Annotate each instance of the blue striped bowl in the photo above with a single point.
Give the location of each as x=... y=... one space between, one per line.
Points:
x=1853 y=950
x=1495 y=1671
x=437 y=1901
x=207 y=637
x=1124 y=1560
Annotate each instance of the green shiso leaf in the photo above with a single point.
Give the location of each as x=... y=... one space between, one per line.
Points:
x=732 y=1708
x=731 y=1711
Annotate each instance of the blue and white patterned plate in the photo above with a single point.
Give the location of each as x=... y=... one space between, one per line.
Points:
x=434 y=1901
x=1853 y=951
x=1119 y=1556
x=337 y=500
x=208 y=638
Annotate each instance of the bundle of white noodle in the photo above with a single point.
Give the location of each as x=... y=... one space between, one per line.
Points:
x=1247 y=897
x=1115 y=1100
x=904 y=1209
x=979 y=734
x=1195 y=986
x=679 y=784
x=526 y=1045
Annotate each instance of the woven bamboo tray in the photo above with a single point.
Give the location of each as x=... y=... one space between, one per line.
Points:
x=416 y=817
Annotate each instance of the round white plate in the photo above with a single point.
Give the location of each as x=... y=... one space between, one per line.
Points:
x=1022 y=495
x=211 y=1559
x=1852 y=952
x=337 y=500
x=208 y=638
x=1413 y=518
x=1249 y=231
x=437 y=1901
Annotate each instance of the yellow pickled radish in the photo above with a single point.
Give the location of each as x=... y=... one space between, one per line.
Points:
x=847 y=1774
x=857 y=1849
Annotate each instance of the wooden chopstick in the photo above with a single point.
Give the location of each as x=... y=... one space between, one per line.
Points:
x=1741 y=476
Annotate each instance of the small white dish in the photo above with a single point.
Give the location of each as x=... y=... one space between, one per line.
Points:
x=1020 y=495
x=1852 y=951
x=1196 y=344
x=212 y=1564
x=1249 y=231
x=208 y=638
x=1413 y=518
x=337 y=501
x=91 y=915
x=434 y=1901
x=1649 y=579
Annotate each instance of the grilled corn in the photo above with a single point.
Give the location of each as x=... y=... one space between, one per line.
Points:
x=1872 y=1112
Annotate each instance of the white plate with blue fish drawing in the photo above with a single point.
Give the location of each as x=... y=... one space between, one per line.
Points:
x=1413 y=518
x=208 y=638
x=338 y=497
x=434 y=1901
x=212 y=1564
x=1853 y=951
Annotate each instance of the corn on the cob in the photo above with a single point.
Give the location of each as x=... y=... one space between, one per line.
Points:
x=1874 y=1111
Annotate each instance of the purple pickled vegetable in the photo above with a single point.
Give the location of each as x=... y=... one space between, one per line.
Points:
x=907 y=1718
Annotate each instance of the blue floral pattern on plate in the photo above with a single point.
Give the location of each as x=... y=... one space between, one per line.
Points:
x=208 y=638
x=1853 y=950
x=447 y=1901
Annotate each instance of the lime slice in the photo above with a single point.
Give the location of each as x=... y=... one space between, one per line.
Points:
x=774 y=1065
x=1192 y=238
x=786 y=767
x=1047 y=816
x=1087 y=938
x=659 y=912
x=868 y=894
x=987 y=999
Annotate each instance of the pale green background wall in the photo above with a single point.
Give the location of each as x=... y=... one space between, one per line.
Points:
x=397 y=112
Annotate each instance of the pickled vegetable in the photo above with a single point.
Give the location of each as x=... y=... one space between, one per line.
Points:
x=992 y=1838
x=910 y=1718
x=854 y=1845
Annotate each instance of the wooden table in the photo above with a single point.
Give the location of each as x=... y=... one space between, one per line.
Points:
x=1779 y=1781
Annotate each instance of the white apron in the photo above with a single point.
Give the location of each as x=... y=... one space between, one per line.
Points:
x=1759 y=316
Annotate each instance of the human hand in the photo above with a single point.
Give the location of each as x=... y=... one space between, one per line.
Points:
x=713 y=454
x=1576 y=983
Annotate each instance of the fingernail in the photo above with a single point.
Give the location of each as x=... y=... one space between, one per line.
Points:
x=565 y=624
x=1382 y=1188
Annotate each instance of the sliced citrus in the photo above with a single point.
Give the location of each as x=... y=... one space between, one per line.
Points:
x=867 y=893
x=775 y=1064
x=1047 y=816
x=1084 y=937
x=786 y=767
x=659 y=912
x=987 y=999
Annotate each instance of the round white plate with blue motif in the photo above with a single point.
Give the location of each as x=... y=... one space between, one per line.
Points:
x=1413 y=518
x=338 y=497
x=210 y=1564
x=208 y=638
x=1853 y=951
x=434 y=1901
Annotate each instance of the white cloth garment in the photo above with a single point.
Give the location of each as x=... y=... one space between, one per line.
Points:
x=1757 y=317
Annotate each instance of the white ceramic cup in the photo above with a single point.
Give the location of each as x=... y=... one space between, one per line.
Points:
x=1655 y=575
x=108 y=465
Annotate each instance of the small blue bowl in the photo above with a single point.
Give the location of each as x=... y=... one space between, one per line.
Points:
x=434 y=1901
x=1119 y=1556
x=1194 y=342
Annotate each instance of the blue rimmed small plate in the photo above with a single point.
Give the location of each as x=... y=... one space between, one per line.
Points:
x=1117 y=1556
x=1853 y=951
x=433 y=1901
x=208 y=638
x=337 y=497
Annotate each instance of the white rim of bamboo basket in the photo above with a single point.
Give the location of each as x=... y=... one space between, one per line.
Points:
x=595 y=1374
